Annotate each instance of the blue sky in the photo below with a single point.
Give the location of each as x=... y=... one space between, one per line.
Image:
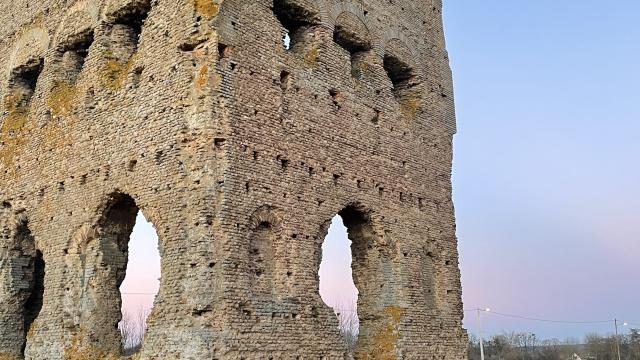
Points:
x=546 y=175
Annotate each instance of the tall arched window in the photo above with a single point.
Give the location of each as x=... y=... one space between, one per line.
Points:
x=337 y=288
x=372 y=273
x=99 y=256
x=140 y=285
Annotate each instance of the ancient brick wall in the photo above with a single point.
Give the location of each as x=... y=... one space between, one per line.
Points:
x=240 y=150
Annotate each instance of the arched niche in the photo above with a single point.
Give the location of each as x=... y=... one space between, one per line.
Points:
x=353 y=36
x=404 y=75
x=264 y=240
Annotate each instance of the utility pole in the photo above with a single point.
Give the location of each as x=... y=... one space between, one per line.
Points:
x=615 y=321
x=479 y=330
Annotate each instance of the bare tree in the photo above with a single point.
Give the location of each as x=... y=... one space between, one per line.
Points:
x=132 y=328
x=348 y=321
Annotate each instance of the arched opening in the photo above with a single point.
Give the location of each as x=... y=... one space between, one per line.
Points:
x=295 y=16
x=21 y=281
x=356 y=265
x=404 y=83
x=103 y=256
x=353 y=36
x=337 y=288
x=140 y=285
x=22 y=85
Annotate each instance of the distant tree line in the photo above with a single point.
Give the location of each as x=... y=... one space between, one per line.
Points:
x=526 y=346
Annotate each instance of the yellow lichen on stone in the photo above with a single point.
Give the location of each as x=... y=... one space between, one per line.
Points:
x=396 y=313
x=8 y=356
x=410 y=105
x=386 y=337
x=311 y=57
x=115 y=72
x=208 y=8
x=76 y=351
x=62 y=97
x=203 y=75
x=11 y=131
x=14 y=122
x=32 y=330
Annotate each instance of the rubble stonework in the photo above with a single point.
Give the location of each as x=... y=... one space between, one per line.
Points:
x=240 y=150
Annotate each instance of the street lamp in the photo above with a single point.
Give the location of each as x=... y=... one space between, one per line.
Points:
x=479 y=330
x=615 y=321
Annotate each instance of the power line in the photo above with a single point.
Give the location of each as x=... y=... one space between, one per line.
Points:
x=544 y=320
x=549 y=320
x=127 y=293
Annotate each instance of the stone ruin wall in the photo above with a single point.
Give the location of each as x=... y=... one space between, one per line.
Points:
x=240 y=152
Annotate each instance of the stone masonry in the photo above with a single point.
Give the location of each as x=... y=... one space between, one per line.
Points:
x=240 y=147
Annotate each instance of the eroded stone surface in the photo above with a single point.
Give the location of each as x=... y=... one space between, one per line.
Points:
x=240 y=151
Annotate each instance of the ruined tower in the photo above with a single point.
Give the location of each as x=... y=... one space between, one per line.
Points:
x=240 y=129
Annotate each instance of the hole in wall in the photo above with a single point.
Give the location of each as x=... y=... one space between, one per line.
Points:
x=399 y=72
x=140 y=285
x=33 y=305
x=363 y=266
x=223 y=51
x=294 y=19
x=285 y=78
x=121 y=250
x=286 y=41
x=133 y=18
x=126 y=31
x=337 y=287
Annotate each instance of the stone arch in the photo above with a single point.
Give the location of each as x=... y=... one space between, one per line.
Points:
x=403 y=71
x=374 y=274
x=96 y=262
x=125 y=25
x=29 y=47
x=73 y=38
x=394 y=37
x=80 y=18
x=354 y=9
x=26 y=63
x=353 y=36
x=22 y=271
x=296 y=17
x=264 y=239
